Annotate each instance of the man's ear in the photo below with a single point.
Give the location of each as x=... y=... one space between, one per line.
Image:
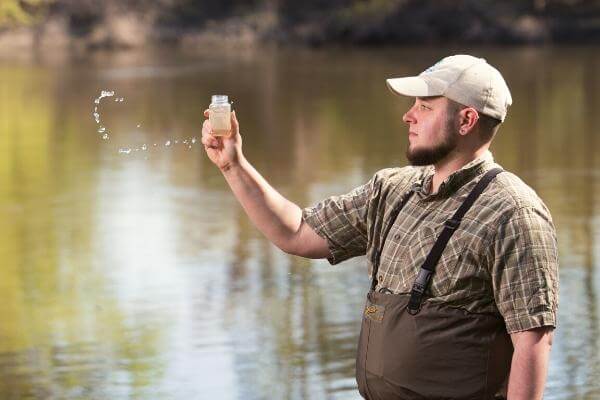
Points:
x=467 y=120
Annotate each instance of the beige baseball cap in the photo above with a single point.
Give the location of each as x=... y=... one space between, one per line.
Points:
x=468 y=80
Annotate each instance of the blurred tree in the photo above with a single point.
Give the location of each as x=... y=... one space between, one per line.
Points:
x=193 y=13
x=321 y=21
x=300 y=11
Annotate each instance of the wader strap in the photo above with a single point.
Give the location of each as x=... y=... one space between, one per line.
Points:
x=377 y=255
x=450 y=226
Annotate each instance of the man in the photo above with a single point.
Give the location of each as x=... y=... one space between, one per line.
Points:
x=462 y=254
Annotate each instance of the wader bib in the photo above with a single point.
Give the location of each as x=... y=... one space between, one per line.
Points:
x=410 y=349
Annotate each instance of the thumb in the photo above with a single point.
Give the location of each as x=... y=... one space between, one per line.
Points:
x=235 y=126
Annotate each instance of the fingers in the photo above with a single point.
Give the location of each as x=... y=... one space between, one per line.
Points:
x=206 y=129
x=206 y=113
x=208 y=140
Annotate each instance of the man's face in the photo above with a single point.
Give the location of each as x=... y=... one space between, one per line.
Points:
x=432 y=131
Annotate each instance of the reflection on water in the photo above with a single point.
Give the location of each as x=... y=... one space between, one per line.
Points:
x=140 y=276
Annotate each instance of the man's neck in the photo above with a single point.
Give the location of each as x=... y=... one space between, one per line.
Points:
x=448 y=166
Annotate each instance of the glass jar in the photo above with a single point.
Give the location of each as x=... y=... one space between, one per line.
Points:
x=219 y=115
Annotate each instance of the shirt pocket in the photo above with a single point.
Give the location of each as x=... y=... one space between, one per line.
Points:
x=415 y=252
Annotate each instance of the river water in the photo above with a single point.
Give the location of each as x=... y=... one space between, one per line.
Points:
x=140 y=276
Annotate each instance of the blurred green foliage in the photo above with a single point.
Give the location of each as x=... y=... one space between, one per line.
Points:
x=21 y=12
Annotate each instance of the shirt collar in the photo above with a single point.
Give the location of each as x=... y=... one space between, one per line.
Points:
x=453 y=182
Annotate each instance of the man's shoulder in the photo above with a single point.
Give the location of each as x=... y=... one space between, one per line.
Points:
x=515 y=193
x=399 y=177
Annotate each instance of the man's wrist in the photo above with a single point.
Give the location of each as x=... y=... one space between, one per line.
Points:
x=231 y=166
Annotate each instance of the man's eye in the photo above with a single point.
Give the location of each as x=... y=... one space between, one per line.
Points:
x=424 y=107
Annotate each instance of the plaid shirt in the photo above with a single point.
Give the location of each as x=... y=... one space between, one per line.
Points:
x=502 y=259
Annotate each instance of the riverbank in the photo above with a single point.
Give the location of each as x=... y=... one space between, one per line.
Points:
x=114 y=26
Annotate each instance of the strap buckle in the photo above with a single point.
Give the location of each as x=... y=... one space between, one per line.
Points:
x=418 y=289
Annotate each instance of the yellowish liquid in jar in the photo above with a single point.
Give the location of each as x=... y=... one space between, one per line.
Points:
x=220 y=119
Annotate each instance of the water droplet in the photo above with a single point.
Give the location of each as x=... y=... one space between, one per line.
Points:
x=189 y=147
x=105 y=136
x=139 y=125
x=96 y=117
x=107 y=93
x=168 y=143
x=97 y=101
x=124 y=150
x=155 y=144
x=101 y=129
x=116 y=99
x=121 y=99
x=144 y=147
x=176 y=141
x=185 y=142
x=193 y=140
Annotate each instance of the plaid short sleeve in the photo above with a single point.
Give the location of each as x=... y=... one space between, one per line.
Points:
x=525 y=269
x=342 y=220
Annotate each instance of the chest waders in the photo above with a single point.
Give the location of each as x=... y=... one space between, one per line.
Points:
x=409 y=349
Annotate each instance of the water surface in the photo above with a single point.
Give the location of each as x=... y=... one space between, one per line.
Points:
x=139 y=275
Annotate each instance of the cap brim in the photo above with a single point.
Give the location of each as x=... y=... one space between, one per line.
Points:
x=413 y=86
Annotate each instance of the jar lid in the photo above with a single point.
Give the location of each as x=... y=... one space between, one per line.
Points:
x=219 y=99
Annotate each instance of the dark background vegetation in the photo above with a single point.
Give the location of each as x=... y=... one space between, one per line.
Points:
x=107 y=23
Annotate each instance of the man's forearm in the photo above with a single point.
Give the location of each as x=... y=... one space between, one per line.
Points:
x=275 y=216
x=529 y=365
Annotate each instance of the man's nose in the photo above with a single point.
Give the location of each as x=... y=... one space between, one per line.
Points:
x=408 y=116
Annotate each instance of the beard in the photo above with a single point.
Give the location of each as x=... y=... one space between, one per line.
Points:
x=437 y=152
